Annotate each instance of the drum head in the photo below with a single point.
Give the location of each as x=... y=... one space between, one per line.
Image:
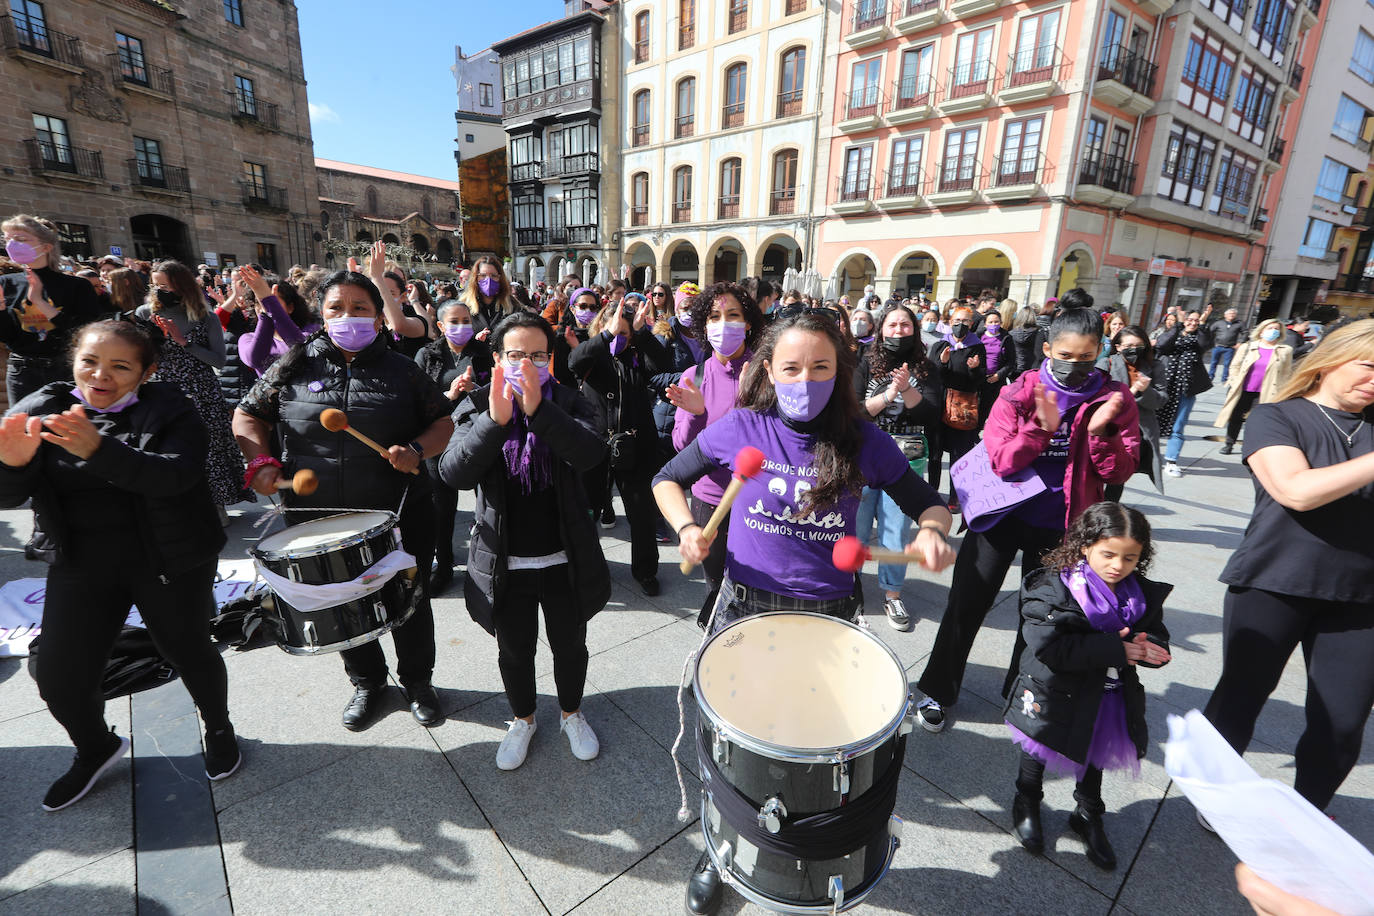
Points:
x=309 y=537
x=801 y=681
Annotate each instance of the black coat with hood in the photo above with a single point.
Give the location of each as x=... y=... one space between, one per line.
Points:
x=621 y=386
x=567 y=423
x=1063 y=668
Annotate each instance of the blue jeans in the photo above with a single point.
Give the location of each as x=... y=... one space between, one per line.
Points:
x=1185 y=407
x=1223 y=355
x=893 y=528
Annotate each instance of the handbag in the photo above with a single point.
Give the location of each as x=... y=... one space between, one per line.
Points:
x=961 y=409
x=622 y=443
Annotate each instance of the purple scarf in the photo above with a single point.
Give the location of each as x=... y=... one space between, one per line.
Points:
x=1069 y=398
x=957 y=344
x=528 y=459
x=1106 y=610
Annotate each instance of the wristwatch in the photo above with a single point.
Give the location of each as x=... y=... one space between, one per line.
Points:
x=417 y=449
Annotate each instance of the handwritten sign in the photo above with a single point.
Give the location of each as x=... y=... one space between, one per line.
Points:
x=984 y=497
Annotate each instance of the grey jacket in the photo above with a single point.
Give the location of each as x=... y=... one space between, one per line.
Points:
x=1148 y=403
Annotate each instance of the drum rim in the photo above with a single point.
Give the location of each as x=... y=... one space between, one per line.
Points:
x=787 y=752
x=322 y=549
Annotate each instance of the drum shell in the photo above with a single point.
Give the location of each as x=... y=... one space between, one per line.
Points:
x=346 y=625
x=341 y=563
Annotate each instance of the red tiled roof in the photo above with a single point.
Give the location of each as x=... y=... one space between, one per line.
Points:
x=372 y=172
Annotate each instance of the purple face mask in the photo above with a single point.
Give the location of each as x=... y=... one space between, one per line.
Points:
x=684 y=319
x=21 y=252
x=584 y=316
x=726 y=336
x=129 y=400
x=489 y=286
x=351 y=333
x=803 y=401
x=458 y=334
x=618 y=344
x=517 y=381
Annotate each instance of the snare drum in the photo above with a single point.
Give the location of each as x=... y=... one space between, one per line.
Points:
x=800 y=715
x=329 y=550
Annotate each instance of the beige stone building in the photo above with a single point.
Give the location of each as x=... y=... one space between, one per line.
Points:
x=360 y=204
x=152 y=129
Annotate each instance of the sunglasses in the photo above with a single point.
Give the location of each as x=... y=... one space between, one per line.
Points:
x=659 y=295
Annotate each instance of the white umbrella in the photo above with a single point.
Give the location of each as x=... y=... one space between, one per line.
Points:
x=789 y=279
x=603 y=276
x=558 y=270
x=832 y=288
x=531 y=266
x=648 y=276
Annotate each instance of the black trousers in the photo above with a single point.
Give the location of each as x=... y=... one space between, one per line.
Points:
x=87 y=602
x=640 y=509
x=957 y=443
x=25 y=375
x=445 y=500
x=1260 y=630
x=979 y=571
x=1242 y=410
x=414 y=639
x=713 y=567
x=516 y=620
x=1030 y=780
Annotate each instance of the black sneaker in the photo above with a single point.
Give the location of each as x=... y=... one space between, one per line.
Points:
x=222 y=755
x=931 y=715
x=608 y=517
x=77 y=781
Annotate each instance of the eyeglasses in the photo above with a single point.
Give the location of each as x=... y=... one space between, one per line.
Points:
x=659 y=295
x=792 y=311
x=540 y=358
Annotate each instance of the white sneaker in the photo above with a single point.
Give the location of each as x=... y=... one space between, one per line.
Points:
x=1172 y=469
x=581 y=738
x=896 y=614
x=514 y=746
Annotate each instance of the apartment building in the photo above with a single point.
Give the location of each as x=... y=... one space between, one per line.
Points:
x=156 y=132
x=723 y=102
x=1028 y=147
x=478 y=115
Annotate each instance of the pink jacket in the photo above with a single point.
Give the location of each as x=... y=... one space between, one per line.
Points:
x=1014 y=440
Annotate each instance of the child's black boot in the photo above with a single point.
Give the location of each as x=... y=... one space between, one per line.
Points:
x=1088 y=825
x=1025 y=816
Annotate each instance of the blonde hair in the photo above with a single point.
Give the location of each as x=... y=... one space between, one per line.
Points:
x=1259 y=328
x=45 y=230
x=502 y=301
x=1354 y=341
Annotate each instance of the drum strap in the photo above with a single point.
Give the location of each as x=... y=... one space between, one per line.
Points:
x=827 y=835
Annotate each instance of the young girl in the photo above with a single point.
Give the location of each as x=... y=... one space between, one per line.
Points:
x=1077 y=706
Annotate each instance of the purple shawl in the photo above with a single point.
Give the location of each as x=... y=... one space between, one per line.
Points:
x=528 y=460
x=1107 y=610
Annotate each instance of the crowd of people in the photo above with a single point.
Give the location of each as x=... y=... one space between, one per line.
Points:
x=161 y=393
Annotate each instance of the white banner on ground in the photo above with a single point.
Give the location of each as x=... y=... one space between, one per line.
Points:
x=21 y=605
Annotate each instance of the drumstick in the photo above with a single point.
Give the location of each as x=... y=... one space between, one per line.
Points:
x=336 y=421
x=850 y=554
x=748 y=462
x=303 y=484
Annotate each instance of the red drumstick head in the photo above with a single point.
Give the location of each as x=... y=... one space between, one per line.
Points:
x=336 y=421
x=748 y=462
x=849 y=554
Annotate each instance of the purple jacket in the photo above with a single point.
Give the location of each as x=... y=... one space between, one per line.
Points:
x=1014 y=440
x=262 y=346
x=719 y=387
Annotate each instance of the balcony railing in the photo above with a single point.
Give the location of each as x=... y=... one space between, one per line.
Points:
x=853 y=187
x=732 y=115
x=1106 y=171
x=263 y=197
x=1277 y=149
x=32 y=38
x=868 y=14
x=912 y=91
x=247 y=106
x=581 y=162
x=728 y=207
x=1295 y=77
x=1016 y=170
x=862 y=103
x=682 y=211
x=639 y=216
x=639 y=135
x=1354 y=283
x=530 y=238
x=527 y=171
x=684 y=126
x=969 y=78
x=789 y=103
x=739 y=18
x=149 y=174
x=782 y=202
x=558 y=233
x=912 y=7
x=55 y=157
x=641 y=51
x=1128 y=68
x=128 y=68
x=906 y=182
x=1363 y=216
x=581 y=235
x=686 y=36
x=1261 y=217
x=1031 y=65
x=960 y=174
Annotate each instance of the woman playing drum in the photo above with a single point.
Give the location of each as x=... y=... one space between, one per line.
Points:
x=351 y=367
x=820 y=454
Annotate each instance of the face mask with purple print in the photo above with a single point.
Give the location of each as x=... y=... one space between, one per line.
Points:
x=489 y=286
x=458 y=334
x=803 y=401
x=726 y=336
x=351 y=333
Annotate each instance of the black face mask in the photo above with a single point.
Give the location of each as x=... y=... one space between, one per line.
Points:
x=959 y=330
x=1071 y=373
x=1131 y=354
x=899 y=346
x=167 y=299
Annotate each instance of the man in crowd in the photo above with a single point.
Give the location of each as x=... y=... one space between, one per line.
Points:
x=1226 y=333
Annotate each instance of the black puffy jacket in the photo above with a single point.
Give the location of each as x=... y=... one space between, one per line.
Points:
x=235 y=377
x=473 y=460
x=385 y=396
x=1064 y=666
x=438 y=361
x=153 y=453
x=621 y=386
x=1027 y=349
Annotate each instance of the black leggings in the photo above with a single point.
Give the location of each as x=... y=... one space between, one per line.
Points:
x=1260 y=630
x=979 y=571
x=1030 y=778
x=516 y=620
x=1238 y=415
x=83 y=614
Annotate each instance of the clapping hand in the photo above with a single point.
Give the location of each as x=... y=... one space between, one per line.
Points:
x=974 y=361
x=644 y=316
x=462 y=384
x=73 y=431
x=531 y=392
x=255 y=282
x=688 y=397
x=1105 y=415
x=168 y=327
x=19 y=439
x=1046 y=409
x=501 y=396
x=1140 y=649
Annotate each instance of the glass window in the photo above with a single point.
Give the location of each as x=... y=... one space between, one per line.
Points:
x=1362 y=61
x=904 y=170
x=858 y=169
x=1316 y=239
x=1331 y=180
x=686 y=106
x=582 y=57
x=566 y=69
x=233 y=11
x=1350 y=118
x=244 y=99
x=960 y=160
x=1096 y=135
x=76 y=239
x=785 y=171
x=255 y=178
x=1035 y=42
x=642 y=37
x=1113 y=32
x=973 y=57
x=1187 y=166
x=53 y=140
x=639 y=195
x=148 y=155
x=682 y=194
x=581 y=205
x=793 y=73
x=484 y=95
x=639 y=133
x=529 y=212
x=863 y=83
x=914 y=81
x=1021 y=148
x=730 y=174
x=130 y=53
x=736 y=87
x=31 y=25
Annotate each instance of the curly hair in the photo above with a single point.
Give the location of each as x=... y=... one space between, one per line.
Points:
x=1098 y=522
x=837 y=433
x=706 y=300
x=881 y=362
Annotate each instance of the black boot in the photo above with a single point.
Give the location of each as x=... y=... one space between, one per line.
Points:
x=440 y=575
x=704 y=888
x=424 y=704
x=1025 y=817
x=1088 y=826
x=363 y=708
x=1228 y=447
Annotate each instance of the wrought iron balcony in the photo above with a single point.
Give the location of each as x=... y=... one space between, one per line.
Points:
x=789 y=103
x=261 y=197
x=252 y=108
x=1277 y=149
x=782 y=202
x=639 y=216
x=581 y=235
x=868 y=14
x=971 y=78
x=1114 y=173
x=862 y=103
x=852 y=188
x=682 y=211
x=1016 y=170
x=578 y=163
x=527 y=171
x=906 y=182
x=912 y=91
x=530 y=238
x=732 y=115
x=1132 y=70
x=684 y=126
x=639 y=135
x=959 y=175
x=728 y=207
x=45 y=156
x=1295 y=77
x=1031 y=65
x=29 y=37
x=152 y=174
x=134 y=69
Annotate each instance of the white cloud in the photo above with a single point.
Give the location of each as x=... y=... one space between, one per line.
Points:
x=322 y=113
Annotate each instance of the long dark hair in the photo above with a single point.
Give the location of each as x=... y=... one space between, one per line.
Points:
x=881 y=362
x=701 y=313
x=1098 y=522
x=837 y=433
x=1136 y=331
x=285 y=368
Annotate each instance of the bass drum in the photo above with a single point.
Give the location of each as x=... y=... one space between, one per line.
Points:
x=800 y=715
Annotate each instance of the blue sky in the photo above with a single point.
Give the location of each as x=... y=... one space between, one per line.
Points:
x=381 y=93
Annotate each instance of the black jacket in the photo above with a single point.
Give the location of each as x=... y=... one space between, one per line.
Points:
x=897 y=419
x=77 y=303
x=957 y=373
x=474 y=460
x=620 y=386
x=680 y=359
x=1025 y=342
x=236 y=377
x=153 y=453
x=1173 y=342
x=438 y=361
x=1064 y=666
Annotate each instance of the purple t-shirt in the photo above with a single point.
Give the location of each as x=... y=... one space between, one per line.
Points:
x=993 y=345
x=771 y=546
x=1254 y=381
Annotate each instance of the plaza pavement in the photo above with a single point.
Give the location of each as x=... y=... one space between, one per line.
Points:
x=400 y=819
